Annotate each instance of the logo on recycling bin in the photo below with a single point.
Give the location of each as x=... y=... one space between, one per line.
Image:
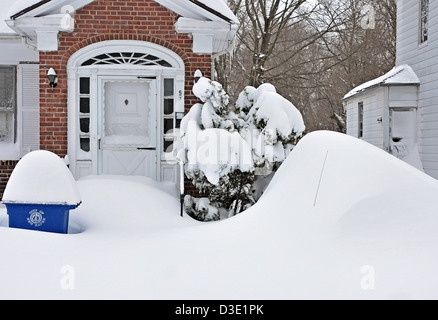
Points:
x=36 y=218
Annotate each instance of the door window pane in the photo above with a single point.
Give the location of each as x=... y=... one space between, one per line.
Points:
x=84 y=113
x=85 y=125
x=168 y=126
x=168 y=87
x=85 y=105
x=84 y=85
x=168 y=146
x=85 y=144
x=168 y=106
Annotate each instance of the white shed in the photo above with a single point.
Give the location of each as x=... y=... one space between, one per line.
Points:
x=383 y=112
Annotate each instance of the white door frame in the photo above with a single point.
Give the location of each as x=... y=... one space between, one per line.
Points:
x=391 y=123
x=87 y=164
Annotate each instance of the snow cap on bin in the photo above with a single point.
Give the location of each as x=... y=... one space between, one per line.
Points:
x=41 y=177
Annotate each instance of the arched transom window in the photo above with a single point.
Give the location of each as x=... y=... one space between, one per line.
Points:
x=132 y=58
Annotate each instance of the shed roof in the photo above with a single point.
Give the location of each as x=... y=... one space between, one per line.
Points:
x=401 y=75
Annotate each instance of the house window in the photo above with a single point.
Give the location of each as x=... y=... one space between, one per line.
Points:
x=8 y=104
x=424 y=21
x=360 y=120
x=124 y=58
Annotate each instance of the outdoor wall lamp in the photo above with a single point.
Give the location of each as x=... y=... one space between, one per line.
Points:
x=53 y=78
x=198 y=75
x=380 y=120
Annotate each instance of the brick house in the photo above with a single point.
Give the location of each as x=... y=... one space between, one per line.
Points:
x=124 y=73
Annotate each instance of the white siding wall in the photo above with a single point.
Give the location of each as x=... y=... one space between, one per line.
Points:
x=403 y=96
x=424 y=61
x=12 y=52
x=373 y=108
x=352 y=117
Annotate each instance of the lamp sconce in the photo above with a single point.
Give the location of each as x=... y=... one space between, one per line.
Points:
x=380 y=120
x=198 y=75
x=53 y=78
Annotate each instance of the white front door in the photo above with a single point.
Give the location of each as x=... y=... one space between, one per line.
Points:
x=128 y=128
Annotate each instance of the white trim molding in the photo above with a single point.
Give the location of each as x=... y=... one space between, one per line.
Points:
x=117 y=69
x=209 y=37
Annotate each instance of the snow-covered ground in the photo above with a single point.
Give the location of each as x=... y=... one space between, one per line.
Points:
x=341 y=219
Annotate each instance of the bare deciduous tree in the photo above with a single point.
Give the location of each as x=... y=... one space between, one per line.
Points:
x=312 y=52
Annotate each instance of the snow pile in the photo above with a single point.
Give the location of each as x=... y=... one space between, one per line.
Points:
x=337 y=175
x=42 y=177
x=368 y=232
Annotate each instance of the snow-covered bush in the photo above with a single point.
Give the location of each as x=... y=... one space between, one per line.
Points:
x=245 y=101
x=278 y=122
x=230 y=156
x=215 y=109
x=201 y=209
x=220 y=165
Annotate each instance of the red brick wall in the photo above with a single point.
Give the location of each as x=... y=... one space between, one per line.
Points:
x=6 y=168
x=102 y=20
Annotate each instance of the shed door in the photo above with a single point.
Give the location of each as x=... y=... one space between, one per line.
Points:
x=403 y=136
x=403 y=130
x=128 y=138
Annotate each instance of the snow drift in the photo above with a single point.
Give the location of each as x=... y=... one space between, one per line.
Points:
x=338 y=206
x=334 y=175
x=372 y=215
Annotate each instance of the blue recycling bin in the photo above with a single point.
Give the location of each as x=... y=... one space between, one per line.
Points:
x=39 y=217
x=40 y=193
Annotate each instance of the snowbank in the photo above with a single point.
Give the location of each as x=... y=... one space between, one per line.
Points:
x=368 y=232
x=42 y=177
x=334 y=174
x=339 y=207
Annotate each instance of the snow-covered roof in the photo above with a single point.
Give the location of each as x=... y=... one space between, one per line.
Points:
x=208 y=10
x=401 y=75
x=214 y=10
x=211 y=23
x=18 y=8
x=6 y=6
